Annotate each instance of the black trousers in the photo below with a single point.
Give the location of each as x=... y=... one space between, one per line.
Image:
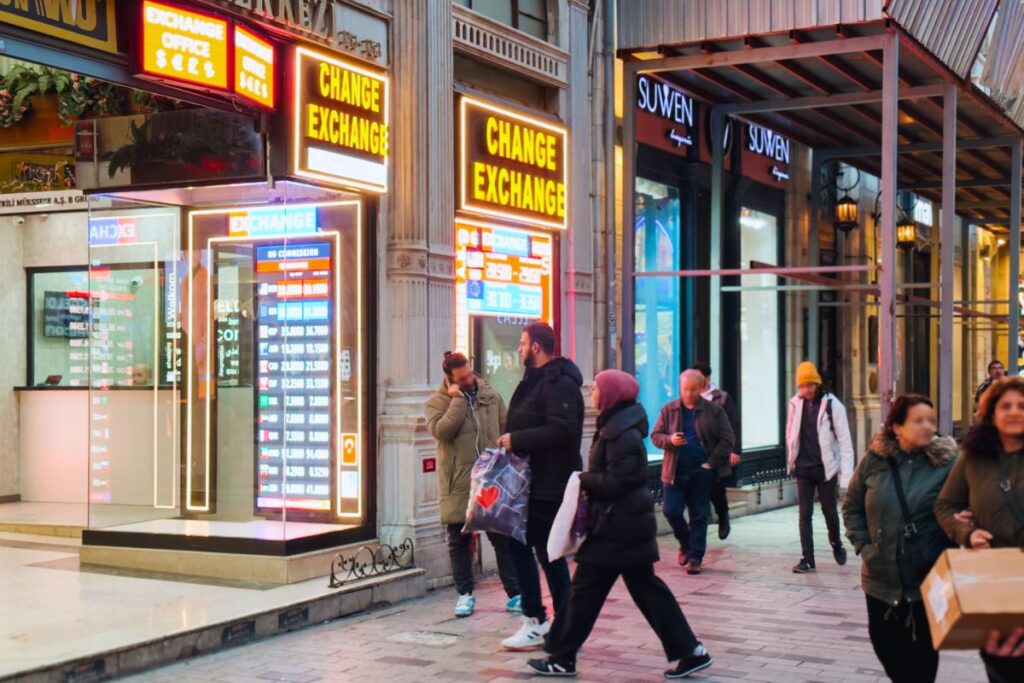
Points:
x=460 y=552
x=828 y=494
x=539 y=519
x=719 y=500
x=590 y=587
x=902 y=641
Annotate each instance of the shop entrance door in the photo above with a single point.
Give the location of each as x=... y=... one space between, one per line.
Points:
x=131 y=359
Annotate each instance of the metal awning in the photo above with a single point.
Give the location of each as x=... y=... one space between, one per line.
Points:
x=833 y=101
x=867 y=93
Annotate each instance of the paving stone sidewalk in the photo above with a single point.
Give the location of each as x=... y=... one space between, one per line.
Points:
x=761 y=622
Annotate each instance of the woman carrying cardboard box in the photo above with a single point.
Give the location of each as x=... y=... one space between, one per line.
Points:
x=989 y=481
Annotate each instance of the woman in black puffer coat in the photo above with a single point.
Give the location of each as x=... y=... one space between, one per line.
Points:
x=621 y=540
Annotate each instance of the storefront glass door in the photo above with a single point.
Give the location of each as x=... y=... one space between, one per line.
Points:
x=759 y=332
x=131 y=359
x=658 y=346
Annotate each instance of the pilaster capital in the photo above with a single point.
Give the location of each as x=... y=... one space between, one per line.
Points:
x=407 y=260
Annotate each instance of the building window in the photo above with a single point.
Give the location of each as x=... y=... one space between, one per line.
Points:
x=529 y=16
x=123 y=325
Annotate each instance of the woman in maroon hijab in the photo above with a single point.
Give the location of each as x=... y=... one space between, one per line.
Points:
x=621 y=540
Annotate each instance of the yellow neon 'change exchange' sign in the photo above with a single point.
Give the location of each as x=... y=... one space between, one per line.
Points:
x=512 y=165
x=341 y=130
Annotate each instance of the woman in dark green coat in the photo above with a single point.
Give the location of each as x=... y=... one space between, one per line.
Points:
x=897 y=553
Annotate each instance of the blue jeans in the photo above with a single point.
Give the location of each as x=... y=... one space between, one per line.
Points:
x=692 y=492
x=539 y=518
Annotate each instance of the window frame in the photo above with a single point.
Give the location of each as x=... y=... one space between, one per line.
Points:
x=516 y=14
x=30 y=355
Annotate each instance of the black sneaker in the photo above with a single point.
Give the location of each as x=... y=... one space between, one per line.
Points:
x=690 y=665
x=839 y=552
x=552 y=667
x=724 y=527
x=694 y=567
x=804 y=566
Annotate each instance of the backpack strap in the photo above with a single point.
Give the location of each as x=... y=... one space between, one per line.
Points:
x=909 y=528
x=831 y=423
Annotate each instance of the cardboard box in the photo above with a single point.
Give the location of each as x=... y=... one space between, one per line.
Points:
x=969 y=593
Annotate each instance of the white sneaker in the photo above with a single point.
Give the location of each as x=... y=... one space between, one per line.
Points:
x=464 y=607
x=530 y=635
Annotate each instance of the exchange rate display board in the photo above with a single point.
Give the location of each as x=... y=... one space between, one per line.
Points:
x=296 y=399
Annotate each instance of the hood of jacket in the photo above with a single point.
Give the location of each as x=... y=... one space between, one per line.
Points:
x=623 y=417
x=559 y=366
x=941 y=451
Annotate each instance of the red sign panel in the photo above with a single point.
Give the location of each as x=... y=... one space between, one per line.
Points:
x=665 y=116
x=765 y=155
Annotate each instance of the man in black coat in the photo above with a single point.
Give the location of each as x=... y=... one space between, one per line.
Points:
x=545 y=423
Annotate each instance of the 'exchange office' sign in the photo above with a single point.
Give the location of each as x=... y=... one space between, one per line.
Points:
x=511 y=165
x=341 y=133
x=89 y=23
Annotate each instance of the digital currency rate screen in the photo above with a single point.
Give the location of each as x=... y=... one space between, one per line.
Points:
x=296 y=393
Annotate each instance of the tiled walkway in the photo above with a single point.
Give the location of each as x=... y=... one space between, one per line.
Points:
x=760 y=621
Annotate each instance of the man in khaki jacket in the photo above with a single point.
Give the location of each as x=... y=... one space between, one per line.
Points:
x=465 y=415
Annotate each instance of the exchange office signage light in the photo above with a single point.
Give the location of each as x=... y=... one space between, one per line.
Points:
x=182 y=45
x=511 y=165
x=203 y=51
x=341 y=133
x=89 y=23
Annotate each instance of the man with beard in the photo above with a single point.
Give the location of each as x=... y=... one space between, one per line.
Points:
x=545 y=424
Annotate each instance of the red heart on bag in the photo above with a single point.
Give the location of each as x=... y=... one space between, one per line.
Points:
x=488 y=496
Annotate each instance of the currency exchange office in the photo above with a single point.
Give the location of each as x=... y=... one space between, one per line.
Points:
x=200 y=320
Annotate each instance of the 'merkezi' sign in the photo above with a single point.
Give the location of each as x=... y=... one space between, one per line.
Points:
x=511 y=165
x=89 y=23
x=665 y=115
x=764 y=143
x=341 y=132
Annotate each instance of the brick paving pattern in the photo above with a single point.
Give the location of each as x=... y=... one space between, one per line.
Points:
x=761 y=622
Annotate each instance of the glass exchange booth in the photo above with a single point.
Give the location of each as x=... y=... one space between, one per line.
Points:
x=198 y=331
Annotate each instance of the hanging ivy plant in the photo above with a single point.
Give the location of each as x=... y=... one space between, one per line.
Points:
x=78 y=97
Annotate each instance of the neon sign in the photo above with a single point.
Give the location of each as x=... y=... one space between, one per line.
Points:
x=107 y=231
x=341 y=132
x=273 y=221
x=512 y=165
x=183 y=45
x=254 y=68
x=501 y=272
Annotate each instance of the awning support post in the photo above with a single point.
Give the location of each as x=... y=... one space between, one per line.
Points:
x=946 y=247
x=887 y=274
x=1013 y=329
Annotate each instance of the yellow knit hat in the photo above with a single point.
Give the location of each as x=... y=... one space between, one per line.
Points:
x=806 y=373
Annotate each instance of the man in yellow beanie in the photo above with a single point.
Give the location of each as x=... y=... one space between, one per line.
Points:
x=819 y=452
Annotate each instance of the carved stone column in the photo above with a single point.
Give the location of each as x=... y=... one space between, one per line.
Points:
x=417 y=299
x=578 y=245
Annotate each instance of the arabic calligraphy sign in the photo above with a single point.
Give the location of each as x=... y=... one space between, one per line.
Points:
x=665 y=116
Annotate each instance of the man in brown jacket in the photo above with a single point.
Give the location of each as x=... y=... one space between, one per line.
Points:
x=696 y=437
x=465 y=415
